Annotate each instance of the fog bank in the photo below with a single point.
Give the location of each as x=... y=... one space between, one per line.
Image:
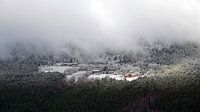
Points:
x=95 y=25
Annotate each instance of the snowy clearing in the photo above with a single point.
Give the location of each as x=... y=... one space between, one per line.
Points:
x=78 y=75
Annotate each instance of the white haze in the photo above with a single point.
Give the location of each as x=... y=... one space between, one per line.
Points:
x=96 y=24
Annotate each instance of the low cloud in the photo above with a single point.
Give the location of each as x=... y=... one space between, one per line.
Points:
x=96 y=24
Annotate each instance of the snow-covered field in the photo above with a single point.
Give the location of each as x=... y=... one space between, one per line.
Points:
x=78 y=75
x=102 y=76
x=55 y=68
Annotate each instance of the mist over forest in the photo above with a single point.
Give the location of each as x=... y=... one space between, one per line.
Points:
x=93 y=25
x=99 y=55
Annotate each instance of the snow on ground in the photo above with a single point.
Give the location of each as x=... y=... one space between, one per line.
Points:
x=111 y=76
x=102 y=76
x=55 y=68
x=84 y=74
x=131 y=78
x=76 y=76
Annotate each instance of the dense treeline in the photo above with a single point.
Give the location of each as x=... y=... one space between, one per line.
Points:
x=157 y=94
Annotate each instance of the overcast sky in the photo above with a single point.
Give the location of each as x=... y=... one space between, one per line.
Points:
x=92 y=24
